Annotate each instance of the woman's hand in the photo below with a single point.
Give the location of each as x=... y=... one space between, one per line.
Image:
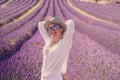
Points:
x=47 y=18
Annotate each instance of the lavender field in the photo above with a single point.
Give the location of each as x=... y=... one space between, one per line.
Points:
x=95 y=53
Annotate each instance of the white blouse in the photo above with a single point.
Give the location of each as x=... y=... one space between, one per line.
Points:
x=56 y=57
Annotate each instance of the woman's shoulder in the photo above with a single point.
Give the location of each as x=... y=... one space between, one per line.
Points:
x=69 y=21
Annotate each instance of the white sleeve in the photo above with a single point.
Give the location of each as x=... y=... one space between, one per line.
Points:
x=68 y=42
x=69 y=32
x=43 y=32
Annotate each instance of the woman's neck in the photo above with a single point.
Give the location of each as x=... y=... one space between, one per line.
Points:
x=56 y=39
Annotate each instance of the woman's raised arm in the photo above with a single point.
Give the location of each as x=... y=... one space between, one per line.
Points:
x=69 y=32
x=42 y=30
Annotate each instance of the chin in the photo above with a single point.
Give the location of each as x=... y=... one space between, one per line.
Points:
x=53 y=36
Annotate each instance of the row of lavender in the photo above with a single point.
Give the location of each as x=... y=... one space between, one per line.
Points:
x=107 y=12
x=3 y=1
x=12 y=5
x=96 y=23
x=13 y=26
x=88 y=58
x=28 y=60
x=13 y=39
x=98 y=31
x=12 y=12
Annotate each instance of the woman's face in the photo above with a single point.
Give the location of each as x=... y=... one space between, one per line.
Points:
x=54 y=30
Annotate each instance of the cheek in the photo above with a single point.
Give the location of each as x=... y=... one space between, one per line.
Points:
x=52 y=33
x=58 y=31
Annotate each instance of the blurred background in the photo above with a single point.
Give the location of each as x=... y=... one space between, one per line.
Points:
x=95 y=53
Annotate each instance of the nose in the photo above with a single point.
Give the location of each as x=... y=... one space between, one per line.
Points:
x=51 y=31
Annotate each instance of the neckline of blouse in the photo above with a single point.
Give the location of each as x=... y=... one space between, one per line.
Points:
x=55 y=43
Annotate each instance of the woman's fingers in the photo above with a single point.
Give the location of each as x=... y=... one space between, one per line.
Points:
x=47 y=18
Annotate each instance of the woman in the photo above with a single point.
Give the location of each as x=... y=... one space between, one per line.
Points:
x=58 y=41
